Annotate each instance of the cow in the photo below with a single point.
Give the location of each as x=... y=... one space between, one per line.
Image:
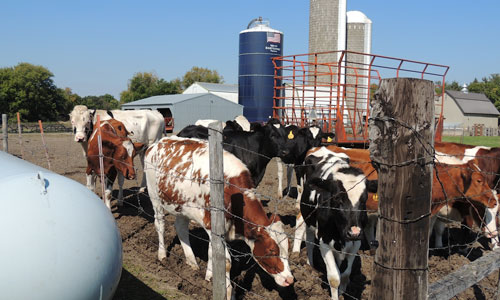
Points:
x=255 y=148
x=333 y=204
x=298 y=142
x=177 y=171
x=118 y=153
x=452 y=172
x=463 y=185
x=144 y=126
x=488 y=159
x=239 y=123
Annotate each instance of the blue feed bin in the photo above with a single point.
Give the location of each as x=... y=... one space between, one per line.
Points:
x=259 y=44
x=59 y=241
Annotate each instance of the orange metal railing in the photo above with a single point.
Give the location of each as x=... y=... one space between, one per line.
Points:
x=333 y=89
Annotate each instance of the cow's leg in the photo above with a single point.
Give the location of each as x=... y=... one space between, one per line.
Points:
x=280 y=177
x=332 y=271
x=300 y=231
x=182 y=228
x=300 y=226
x=344 y=276
x=310 y=235
x=121 y=180
x=208 y=275
x=160 y=229
x=289 y=173
x=91 y=181
x=159 y=214
x=370 y=228
x=142 y=154
x=439 y=228
x=108 y=191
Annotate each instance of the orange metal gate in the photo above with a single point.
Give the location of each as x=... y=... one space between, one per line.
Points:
x=333 y=89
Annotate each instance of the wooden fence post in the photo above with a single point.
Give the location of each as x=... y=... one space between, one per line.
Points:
x=217 y=211
x=401 y=143
x=104 y=180
x=5 y=133
x=44 y=144
x=20 y=135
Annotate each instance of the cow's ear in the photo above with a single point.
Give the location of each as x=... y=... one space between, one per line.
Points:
x=328 y=136
x=138 y=146
x=372 y=186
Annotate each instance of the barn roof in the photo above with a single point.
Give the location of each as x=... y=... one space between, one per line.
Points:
x=473 y=103
x=219 y=87
x=171 y=99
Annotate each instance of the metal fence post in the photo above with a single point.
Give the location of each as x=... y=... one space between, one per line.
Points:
x=5 y=133
x=217 y=211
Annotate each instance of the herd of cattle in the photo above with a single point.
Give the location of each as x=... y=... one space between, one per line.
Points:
x=336 y=187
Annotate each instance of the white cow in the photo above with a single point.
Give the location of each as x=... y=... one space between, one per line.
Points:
x=144 y=126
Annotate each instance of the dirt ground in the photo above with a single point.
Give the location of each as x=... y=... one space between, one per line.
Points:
x=144 y=277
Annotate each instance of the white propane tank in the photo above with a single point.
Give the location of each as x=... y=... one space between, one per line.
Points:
x=59 y=241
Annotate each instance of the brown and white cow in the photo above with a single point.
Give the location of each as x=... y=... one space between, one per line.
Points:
x=118 y=153
x=177 y=171
x=144 y=126
x=459 y=179
x=488 y=161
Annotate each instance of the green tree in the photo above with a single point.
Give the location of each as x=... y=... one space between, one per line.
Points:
x=453 y=86
x=197 y=74
x=72 y=98
x=143 y=85
x=30 y=90
x=490 y=86
x=107 y=102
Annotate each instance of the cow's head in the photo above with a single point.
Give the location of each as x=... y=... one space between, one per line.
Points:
x=274 y=137
x=81 y=121
x=343 y=202
x=123 y=156
x=300 y=140
x=479 y=191
x=118 y=152
x=269 y=246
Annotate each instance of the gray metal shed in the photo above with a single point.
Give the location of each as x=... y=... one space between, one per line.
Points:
x=186 y=109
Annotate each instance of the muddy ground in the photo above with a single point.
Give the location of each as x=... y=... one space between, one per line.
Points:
x=144 y=277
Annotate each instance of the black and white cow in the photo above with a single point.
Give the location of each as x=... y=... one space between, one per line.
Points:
x=255 y=148
x=298 y=142
x=333 y=205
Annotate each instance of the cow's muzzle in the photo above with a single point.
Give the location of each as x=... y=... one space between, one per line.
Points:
x=354 y=233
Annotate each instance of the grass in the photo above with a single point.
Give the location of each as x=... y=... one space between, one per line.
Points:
x=488 y=141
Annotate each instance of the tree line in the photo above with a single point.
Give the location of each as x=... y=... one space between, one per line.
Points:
x=30 y=90
x=489 y=86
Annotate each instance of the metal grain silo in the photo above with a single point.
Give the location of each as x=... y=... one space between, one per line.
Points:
x=259 y=43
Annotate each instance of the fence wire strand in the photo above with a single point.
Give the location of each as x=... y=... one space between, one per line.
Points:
x=134 y=201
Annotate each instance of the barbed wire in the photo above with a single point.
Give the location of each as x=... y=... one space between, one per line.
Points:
x=276 y=211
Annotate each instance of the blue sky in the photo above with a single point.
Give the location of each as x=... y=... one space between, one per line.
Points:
x=95 y=47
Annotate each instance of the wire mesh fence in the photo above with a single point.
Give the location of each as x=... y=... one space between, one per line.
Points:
x=462 y=242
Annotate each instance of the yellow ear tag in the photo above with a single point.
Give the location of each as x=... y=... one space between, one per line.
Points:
x=291 y=136
x=375 y=197
x=329 y=139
